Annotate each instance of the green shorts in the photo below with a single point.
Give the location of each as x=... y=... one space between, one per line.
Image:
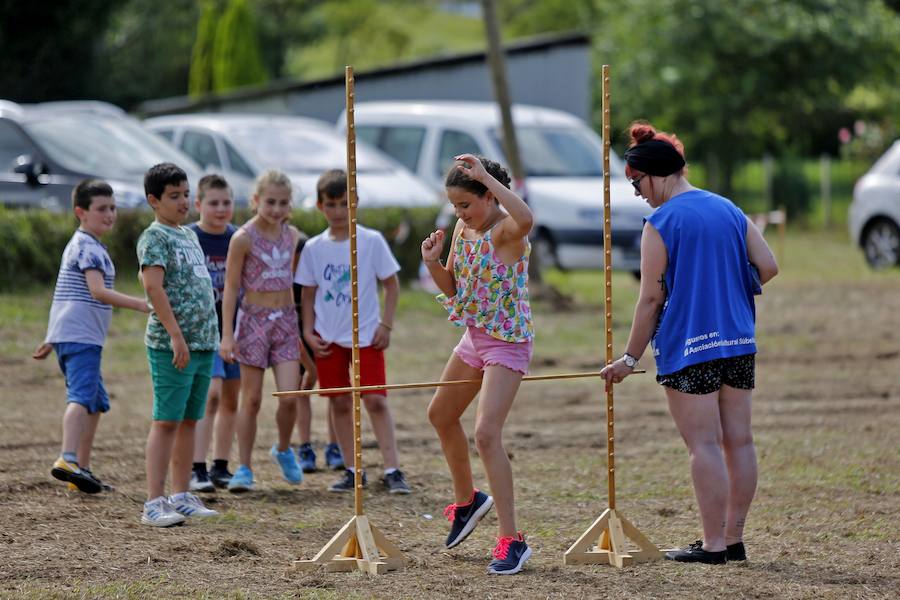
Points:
x=179 y=395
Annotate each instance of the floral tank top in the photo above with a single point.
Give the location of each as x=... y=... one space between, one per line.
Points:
x=490 y=295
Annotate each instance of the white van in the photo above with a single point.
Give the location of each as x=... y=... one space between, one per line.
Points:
x=562 y=158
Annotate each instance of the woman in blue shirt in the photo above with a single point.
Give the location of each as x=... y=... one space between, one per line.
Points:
x=701 y=262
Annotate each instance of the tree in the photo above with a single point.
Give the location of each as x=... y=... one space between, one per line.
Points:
x=236 y=55
x=51 y=53
x=739 y=78
x=146 y=51
x=200 y=79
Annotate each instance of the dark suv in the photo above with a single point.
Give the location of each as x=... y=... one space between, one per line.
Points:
x=46 y=149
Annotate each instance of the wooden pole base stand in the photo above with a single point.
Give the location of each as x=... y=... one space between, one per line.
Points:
x=609 y=532
x=358 y=545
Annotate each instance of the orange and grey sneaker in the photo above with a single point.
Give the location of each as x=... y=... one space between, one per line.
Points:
x=72 y=473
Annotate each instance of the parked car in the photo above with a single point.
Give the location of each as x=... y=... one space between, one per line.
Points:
x=242 y=145
x=562 y=158
x=46 y=149
x=874 y=217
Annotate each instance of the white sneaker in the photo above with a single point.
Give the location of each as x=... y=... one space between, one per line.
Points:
x=200 y=482
x=159 y=513
x=190 y=505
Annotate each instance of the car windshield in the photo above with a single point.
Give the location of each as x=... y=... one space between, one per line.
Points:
x=562 y=152
x=298 y=149
x=109 y=147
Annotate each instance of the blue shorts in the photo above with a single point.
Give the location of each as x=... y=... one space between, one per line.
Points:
x=80 y=364
x=224 y=370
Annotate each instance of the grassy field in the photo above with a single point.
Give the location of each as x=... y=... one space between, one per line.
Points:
x=824 y=524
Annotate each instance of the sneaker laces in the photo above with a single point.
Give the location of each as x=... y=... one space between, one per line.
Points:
x=502 y=549
x=450 y=512
x=693 y=547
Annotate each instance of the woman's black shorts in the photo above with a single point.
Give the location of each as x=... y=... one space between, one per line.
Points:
x=707 y=377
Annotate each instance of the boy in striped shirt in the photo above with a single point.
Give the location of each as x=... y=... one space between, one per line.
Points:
x=79 y=321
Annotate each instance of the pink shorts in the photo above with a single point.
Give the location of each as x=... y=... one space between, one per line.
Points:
x=479 y=350
x=266 y=336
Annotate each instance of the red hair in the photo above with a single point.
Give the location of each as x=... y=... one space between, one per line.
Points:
x=642 y=131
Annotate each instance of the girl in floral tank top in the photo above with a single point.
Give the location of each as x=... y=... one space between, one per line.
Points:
x=485 y=290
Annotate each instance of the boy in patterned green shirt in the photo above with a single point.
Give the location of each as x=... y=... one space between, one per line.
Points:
x=182 y=337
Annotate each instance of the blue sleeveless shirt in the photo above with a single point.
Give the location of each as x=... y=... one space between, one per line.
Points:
x=709 y=311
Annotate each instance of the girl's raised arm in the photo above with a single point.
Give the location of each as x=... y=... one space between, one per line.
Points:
x=522 y=218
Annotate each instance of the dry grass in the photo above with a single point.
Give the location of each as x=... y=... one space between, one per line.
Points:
x=824 y=524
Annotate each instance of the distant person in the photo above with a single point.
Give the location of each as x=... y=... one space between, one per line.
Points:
x=701 y=260
x=259 y=263
x=306 y=455
x=181 y=340
x=324 y=273
x=485 y=290
x=215 y=203
x=79 y=321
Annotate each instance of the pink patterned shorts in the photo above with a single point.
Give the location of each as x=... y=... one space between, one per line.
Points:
x=266 y=336
x=479 y=350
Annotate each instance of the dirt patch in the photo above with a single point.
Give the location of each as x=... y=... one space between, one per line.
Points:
x=824 y=525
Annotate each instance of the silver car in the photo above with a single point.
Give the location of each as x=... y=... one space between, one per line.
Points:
x=874 y=217
x=242 y=145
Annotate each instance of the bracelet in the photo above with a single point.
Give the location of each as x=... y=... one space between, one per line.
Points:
x=385 y=325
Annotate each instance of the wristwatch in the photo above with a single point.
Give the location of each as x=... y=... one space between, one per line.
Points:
x=630 y=361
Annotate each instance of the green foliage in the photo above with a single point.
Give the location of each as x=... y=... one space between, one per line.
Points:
x=743 y=77
x=200 y=81
x=49 y=53
x=790 y=189
x=145 y=52
x=236 y=56
x=33 y=240
x=369 y=34
x=32 y=245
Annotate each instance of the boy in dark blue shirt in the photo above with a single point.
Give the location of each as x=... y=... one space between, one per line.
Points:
x=215 y=203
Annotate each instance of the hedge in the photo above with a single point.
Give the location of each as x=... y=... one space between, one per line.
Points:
x=33 y=240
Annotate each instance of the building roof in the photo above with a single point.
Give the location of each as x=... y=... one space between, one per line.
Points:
x=211 y=101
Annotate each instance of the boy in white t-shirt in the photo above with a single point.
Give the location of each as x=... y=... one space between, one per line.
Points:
x=324 y=273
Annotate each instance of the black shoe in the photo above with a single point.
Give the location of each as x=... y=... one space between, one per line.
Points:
x=509 y=555
x=396 y=483
x=334 y=458
x=72 y=473
x=200 y=481
x=306 y=457
x=219 y=477
x=347 y=482
x=105 y=487
x=464 y=517
x=736 y=551
x=695 y=553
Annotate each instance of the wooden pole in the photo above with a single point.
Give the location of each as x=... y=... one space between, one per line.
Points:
x=431 y=384
x=358 y=544
x=607 y=272
x=354 y=288
x=604 y=541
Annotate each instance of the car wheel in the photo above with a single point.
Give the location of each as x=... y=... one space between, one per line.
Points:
x=544 y=250
x=881 y=244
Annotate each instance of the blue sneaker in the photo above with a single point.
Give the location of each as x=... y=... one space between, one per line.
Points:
x=242 y=480
x=464 y=517
x=306 y=456
x=288 y=463
x=333 y=457
x=509 y=555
